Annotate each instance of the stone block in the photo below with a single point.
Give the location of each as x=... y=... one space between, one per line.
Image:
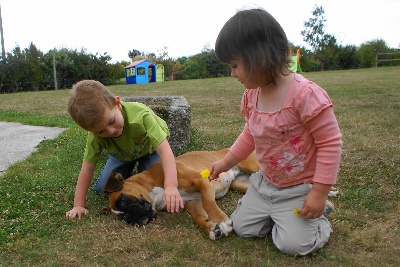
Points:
x=176 y=112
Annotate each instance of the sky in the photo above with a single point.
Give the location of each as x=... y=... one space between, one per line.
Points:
x=184 y=27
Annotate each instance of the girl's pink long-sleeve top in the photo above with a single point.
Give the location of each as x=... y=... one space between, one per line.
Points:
x=301 y=143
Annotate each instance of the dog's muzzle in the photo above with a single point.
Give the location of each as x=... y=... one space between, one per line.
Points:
x=134 y=211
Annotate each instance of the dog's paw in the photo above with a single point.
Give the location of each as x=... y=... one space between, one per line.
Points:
x=226 y=227
x=215 y=232
x=219 y=230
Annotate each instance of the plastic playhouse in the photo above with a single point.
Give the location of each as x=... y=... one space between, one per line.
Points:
x=295 y=66
x=144 y=71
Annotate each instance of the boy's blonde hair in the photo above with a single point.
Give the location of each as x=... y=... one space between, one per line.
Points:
x=88 y=103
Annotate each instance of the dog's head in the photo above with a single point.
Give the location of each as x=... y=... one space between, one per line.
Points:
x=127 y=203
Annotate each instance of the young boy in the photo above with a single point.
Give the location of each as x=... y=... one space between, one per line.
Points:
x=130 y=133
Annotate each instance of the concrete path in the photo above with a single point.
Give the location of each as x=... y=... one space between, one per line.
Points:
x=18 y=141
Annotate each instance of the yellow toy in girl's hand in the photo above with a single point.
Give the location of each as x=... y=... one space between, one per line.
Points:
x=297 y=212
x=329 y=209
x=205 y=174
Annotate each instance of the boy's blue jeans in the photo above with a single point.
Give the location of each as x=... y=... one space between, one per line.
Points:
x=125 y=168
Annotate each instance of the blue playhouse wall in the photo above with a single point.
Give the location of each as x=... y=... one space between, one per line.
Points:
x=138 y=72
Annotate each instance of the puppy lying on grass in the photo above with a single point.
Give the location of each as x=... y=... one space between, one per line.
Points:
x=136 y=199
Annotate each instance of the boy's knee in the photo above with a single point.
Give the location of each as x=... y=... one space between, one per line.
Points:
x=98 y=190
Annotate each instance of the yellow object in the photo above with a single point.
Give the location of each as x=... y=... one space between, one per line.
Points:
x=297 y=212
x=205 y=174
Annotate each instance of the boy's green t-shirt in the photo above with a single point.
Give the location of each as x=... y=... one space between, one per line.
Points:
x=143 y=132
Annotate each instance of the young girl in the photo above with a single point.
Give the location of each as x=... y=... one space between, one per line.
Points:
x=291 y=125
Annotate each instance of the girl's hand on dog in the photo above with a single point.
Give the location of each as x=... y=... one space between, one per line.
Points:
x=223 y=165
x=76 y=211
x=218 y=167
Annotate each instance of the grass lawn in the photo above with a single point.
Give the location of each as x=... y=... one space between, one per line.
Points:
x=36 y=193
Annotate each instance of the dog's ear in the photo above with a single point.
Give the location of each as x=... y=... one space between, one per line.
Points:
x=115 y=183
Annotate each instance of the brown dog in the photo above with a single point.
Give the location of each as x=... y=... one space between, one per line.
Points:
x=135 y=199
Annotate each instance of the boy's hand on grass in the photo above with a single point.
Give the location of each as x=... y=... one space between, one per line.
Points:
x=76 y=211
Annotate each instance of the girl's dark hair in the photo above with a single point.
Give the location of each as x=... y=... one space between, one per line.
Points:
x=256 y=38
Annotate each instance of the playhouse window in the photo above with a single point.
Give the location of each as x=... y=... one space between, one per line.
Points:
x=130 y=72
x=141 y=71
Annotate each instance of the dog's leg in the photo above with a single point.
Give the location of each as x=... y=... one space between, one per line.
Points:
x=215 y=214
x=243 y=171
x=241 y=182
x=199 y=215
x=249 y=165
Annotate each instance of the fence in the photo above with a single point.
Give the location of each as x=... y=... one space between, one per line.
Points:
x=386 y=59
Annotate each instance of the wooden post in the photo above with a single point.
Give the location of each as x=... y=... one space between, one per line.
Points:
x=54 y=70
x=3 y=50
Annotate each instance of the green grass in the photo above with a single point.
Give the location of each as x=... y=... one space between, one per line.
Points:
x=36 y=193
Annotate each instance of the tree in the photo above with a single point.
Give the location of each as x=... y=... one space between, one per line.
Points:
x=327 y=53
x=36 y=67
x=15 y=69
x=347 y=57
x=163 y=54
x=210 y=66
x=313 y=34
x=132 y=54
x=367 y=52
x=191 y=70
x=163 y=58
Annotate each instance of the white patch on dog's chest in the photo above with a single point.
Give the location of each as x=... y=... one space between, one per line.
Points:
x=157 y=197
